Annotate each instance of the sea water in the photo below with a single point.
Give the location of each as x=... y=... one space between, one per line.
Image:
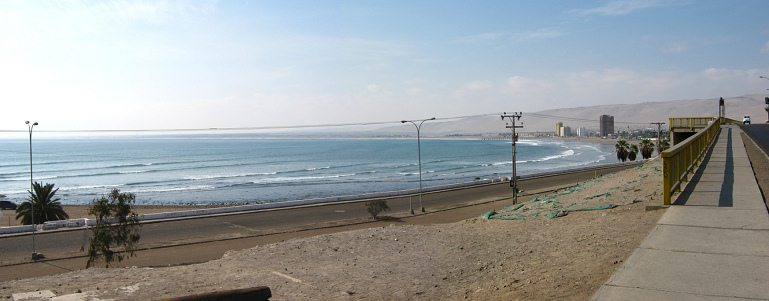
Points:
x=213 y=169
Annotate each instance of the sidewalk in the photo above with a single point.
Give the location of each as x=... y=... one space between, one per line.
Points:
x=713 y=244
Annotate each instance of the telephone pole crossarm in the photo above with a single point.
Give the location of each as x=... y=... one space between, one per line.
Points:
x=513 y=117
x=659 y=132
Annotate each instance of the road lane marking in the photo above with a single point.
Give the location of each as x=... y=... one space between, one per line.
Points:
x=237 y=226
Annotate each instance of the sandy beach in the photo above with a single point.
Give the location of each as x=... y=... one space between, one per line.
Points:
x=479 y=259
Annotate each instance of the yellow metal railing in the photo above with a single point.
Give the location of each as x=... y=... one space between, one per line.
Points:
x=683 y=158
x=690 y=122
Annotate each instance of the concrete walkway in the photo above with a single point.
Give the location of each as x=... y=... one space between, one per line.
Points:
x=714 y=245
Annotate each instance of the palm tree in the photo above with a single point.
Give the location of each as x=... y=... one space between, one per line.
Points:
x=647 y=148
x=622 y=148
x=664 y=144
x=47 y=208
x=632 y=152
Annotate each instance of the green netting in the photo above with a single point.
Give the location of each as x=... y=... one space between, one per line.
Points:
x=488 y=215
x=599 y=207
x=550 y=206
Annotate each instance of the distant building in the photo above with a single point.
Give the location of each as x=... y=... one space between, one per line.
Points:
x=565 y=131
x=581 y=132
x=606 y=125
x=558 y=129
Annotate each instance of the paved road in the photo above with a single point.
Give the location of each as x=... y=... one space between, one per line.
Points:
x=759 y=133
x=16 y=250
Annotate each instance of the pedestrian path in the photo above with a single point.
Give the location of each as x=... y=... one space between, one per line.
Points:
x=712 y=244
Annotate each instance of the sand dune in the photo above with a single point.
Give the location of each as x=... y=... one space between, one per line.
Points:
x=625 y=115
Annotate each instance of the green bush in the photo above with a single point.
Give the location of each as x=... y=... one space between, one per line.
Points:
x=117 y=229
x=376 y=207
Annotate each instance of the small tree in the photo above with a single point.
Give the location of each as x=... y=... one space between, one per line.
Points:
x=647 y=148
x=632 y=152
x=116 y=226
x=622 y=149
x=376 y=207
x=663 y=145
x=46 y=205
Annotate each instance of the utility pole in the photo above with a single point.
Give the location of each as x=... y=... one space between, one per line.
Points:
x=659 y=132
x=513 y=117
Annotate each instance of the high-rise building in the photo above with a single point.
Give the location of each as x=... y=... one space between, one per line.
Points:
x=581 y=131
x=566 y=131
x=606 y=125
x=558 y=126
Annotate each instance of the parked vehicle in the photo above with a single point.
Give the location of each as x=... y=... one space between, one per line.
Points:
x=7 y=205
x=746 y=119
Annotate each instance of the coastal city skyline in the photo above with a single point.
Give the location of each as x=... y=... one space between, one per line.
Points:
x=169 y=64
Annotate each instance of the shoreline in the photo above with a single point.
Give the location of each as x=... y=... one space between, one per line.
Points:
x=476 y=258
x=242 y=177
x=77 y=211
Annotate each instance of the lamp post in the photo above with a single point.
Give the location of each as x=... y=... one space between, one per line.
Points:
x=419 y=156
x=766 y=101
x=31 y=189
x=514 y=180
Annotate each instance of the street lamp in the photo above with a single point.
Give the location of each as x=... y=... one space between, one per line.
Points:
x=766 y=100
x=419 y=156
x=31 y=189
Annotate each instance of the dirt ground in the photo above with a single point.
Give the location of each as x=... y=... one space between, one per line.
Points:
x=535 y=258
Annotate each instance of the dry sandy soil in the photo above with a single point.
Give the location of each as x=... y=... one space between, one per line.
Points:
x=537 y=258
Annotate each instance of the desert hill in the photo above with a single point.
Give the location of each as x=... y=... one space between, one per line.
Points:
x=633 y=116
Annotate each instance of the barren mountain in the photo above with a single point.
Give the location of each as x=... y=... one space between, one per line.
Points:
x=625 y=115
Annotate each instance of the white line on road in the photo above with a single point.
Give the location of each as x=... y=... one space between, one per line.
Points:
x=237 y=226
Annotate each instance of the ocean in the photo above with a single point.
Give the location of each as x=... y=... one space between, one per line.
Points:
x=235 y=170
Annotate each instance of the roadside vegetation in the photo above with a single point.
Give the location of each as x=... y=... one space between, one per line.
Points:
x=117 y=230
x=623 y=150
x=42 y=198
x=376 y=207
x=647 y=148
x=664 y=144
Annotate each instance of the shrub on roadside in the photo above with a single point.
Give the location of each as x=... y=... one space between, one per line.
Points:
x=376 y=207
x=117 y=229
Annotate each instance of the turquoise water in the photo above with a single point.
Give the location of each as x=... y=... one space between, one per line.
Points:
x=182 y=170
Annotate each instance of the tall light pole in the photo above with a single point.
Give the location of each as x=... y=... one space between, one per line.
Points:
x=31 y=189
x=514 y=180
x=419 y=156
x=766 y=101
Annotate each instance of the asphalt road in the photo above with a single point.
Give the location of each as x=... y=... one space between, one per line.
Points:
x=760 y=134
x=175 y=237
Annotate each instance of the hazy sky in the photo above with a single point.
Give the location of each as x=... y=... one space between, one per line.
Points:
x=199 y=64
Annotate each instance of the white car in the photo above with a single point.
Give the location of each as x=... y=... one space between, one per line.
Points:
x=746 y=119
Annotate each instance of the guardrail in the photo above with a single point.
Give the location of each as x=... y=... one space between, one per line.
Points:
x=690 y=122
x=683 y=158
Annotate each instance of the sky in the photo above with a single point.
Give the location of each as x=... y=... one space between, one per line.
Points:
x=84 y=65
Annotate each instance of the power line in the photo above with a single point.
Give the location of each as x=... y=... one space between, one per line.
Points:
x=250 y=128
x=304 y=126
